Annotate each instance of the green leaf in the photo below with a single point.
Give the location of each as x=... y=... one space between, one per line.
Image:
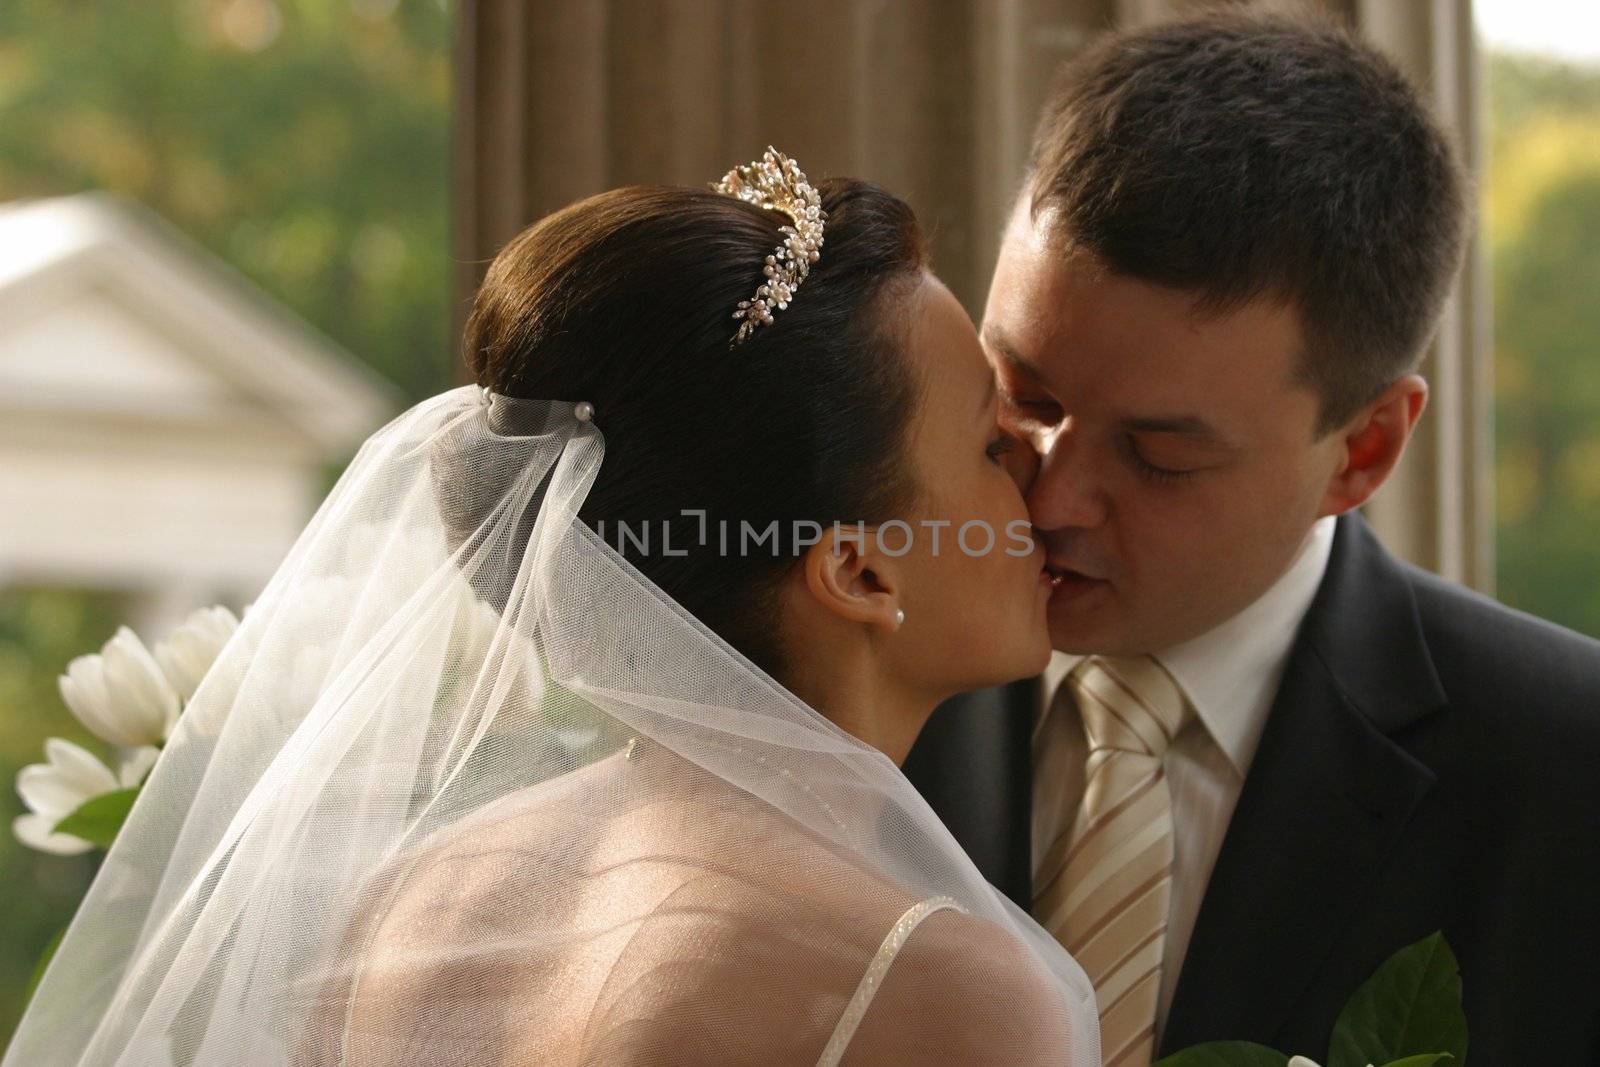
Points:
x=98 y=820
x=1226 y=1054
x=1427 y=1059
x=1410 y=1007
x=44 y=961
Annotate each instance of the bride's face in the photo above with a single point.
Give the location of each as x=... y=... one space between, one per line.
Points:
x=972 y=584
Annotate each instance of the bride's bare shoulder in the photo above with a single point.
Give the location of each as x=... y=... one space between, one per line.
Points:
x=602 y=891
x=638 y=852
x=733 y=898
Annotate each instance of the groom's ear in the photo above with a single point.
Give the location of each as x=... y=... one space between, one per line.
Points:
x=846 y=574
x=1370 y=445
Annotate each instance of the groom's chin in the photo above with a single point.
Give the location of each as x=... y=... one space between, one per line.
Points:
x=1085 y=620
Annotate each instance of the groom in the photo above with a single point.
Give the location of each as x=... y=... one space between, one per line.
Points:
x=1301 y=754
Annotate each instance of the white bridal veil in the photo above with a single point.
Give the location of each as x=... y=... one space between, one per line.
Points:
x=466 y=788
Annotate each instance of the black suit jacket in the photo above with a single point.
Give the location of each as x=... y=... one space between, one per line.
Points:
x=1431 y=761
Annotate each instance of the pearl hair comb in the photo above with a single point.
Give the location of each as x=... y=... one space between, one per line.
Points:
x=776 y=183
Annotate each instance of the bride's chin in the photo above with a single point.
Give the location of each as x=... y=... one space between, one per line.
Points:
x=1039 y=629
x=1037 y=642
x=1034 y=666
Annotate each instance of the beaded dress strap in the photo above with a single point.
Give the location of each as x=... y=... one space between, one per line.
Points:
x=892 y=943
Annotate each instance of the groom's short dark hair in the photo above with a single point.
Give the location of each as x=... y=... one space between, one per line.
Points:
x=1240 y=155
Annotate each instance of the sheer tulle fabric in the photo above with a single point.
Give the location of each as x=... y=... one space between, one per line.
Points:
x=466 y=788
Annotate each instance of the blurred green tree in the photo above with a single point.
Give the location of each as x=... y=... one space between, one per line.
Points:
x=304 y=142
x=1542 y=201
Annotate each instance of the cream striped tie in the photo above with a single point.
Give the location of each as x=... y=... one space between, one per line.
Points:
x=1105 y=885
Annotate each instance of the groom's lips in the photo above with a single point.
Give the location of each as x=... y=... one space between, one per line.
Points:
x=1069 y=582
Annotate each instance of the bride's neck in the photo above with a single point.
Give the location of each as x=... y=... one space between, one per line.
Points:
x=843 y=676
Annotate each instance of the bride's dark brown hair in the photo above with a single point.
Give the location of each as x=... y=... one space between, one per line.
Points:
x=626 y=300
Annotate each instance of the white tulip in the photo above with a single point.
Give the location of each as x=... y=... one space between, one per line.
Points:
x=35 y=832
x=54 y=790
x=121 y=695
x=1301 y=1061
x=135 y=763
x=190 y=651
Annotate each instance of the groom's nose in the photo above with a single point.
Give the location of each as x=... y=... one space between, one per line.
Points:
x=1064 y=492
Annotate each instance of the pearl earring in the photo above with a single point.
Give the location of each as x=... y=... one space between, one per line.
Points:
x=899 y=616
x=583 y=411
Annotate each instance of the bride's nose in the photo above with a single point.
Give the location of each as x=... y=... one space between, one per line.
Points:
x=1021 y=462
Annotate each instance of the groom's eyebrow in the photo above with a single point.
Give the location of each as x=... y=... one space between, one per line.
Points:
x=1181 y=424
x=1008 y=352
x=1186 y=425
x=1190 y=426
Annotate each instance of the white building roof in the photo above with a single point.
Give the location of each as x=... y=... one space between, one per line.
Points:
x=107 y=310
x=165 y=427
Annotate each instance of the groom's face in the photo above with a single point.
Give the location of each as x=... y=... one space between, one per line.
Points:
x=1179 y=469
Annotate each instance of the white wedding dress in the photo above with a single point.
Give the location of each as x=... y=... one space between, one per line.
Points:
x=465 y=788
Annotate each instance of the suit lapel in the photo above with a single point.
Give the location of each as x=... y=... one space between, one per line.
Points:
x=973 y=765
x=1327 y=797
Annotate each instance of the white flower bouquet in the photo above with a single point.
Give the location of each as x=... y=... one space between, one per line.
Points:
x=129 y=697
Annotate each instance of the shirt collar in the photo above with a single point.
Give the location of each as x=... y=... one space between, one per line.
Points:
x=1231 y=672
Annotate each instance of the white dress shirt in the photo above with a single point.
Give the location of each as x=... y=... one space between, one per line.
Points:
x=1230 y=674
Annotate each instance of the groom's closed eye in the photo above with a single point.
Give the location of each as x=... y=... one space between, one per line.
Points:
x=1172 y=449
x=1168 y=470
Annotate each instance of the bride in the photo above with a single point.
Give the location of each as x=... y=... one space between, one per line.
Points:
x=569 y=730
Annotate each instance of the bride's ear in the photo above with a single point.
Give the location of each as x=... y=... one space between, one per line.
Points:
x=847 y=575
